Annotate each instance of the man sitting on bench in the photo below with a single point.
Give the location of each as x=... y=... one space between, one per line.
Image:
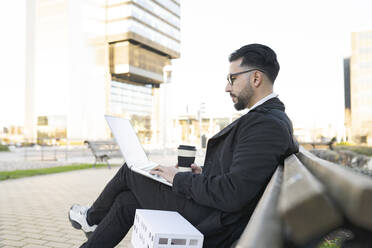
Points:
x=240 y=160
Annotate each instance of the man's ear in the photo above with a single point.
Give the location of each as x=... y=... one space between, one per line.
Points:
x=257 y=78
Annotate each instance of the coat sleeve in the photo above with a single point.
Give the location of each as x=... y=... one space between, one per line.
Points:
x=258 y=150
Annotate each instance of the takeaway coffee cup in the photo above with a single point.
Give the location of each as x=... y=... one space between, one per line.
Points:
x=186 y=156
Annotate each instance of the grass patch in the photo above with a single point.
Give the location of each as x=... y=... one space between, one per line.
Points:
x=329 y=245
x=363 y=150
x=4 y=175
x=3 y=148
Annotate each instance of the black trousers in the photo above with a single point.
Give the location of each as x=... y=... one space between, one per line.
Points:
x=127 y=191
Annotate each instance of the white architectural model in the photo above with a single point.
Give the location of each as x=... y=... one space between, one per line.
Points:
x=164 y=229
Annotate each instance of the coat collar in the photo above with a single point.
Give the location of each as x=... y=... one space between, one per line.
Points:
x=263 y=100
x=226 y=129
x=262 y=106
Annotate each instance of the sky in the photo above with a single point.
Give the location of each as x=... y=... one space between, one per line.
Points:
x=311 y=39
x=12 y=62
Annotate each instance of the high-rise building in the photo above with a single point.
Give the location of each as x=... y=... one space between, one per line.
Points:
x=347 y=99
x=360 y=118
x=88 y=58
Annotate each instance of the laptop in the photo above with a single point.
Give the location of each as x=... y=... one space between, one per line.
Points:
x=131 y=148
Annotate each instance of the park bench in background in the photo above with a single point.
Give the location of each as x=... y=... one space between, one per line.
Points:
x=103 y=150
x=328 y=144
x=308 y=199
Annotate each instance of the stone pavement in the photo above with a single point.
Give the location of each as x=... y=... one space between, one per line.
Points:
x=33 y=211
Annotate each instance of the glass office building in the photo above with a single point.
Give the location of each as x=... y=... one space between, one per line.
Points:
x=360 y=117
x=88 y=58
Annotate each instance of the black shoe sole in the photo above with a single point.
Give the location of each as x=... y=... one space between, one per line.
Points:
x=76 y=225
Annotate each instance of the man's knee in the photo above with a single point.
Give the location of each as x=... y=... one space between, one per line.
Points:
x=125 y=198
x=125 y=205
x=124 y=168
x=122 y=172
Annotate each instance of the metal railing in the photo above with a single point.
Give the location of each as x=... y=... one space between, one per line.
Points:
x=44 y=150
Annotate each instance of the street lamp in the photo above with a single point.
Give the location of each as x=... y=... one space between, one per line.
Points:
x=201 y=112
x=167 y=79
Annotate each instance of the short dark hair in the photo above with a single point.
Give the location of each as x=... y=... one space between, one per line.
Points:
x=258 y=56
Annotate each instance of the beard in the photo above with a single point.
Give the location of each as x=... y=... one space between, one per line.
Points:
x=244 y=98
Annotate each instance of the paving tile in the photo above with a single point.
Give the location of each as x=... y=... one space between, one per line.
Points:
x=51 y=233
x=9 y=223
x=75 y=243
x=29 y=230
x=73 y=240
x=34 y=241
x=13 y=243
x=33 y=235
x=53 y=238
x=10 y=232
x=11 y=237
x=27 y=226
x=31 y=246
x=80 y=237
x=57 y=245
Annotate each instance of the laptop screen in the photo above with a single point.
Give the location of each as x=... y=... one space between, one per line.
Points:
x=127 y=140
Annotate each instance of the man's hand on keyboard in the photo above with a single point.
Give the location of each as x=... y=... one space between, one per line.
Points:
x=166 y=172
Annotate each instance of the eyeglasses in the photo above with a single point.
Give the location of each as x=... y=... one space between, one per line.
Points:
x=232 y=76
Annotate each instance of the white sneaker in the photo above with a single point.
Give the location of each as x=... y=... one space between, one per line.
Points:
x=78 y=218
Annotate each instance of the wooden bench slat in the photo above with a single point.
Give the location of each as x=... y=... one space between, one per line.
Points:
x=264 y=227
x=303 y=205
x=315 y=197
x=351 y=190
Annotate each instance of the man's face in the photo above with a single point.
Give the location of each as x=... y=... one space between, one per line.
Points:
x=241 y=90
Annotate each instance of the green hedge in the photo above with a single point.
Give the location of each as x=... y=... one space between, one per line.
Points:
x=363 y=150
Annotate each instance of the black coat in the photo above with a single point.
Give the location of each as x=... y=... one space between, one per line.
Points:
x=239 y=163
